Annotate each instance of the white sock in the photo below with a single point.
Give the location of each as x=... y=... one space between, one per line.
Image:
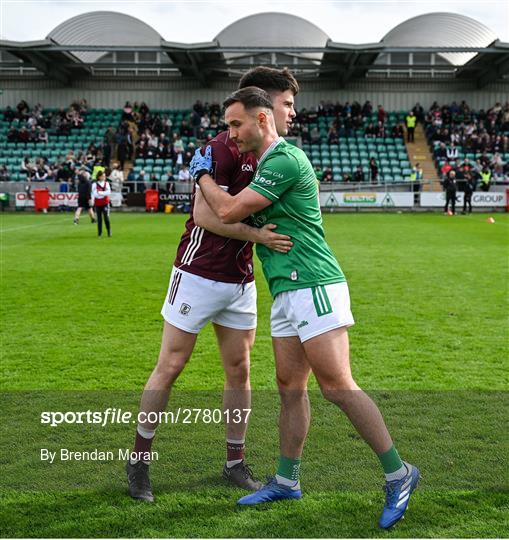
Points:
x=397 y=475
x=294 y=484
x=146 y=434
x=134 y=461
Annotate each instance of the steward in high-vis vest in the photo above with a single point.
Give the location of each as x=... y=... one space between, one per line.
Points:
x=410 y=121
x=485 y=179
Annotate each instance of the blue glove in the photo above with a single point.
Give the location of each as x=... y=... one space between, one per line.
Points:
x=201 y=164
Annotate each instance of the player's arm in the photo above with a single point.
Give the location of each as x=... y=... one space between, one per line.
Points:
x=228 y=208
x=204 y=217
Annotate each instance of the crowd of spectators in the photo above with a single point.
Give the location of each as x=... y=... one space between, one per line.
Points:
x=67 y=168
x=33 y=125
x=144 y=135
x=347 y=118
x=456 y=130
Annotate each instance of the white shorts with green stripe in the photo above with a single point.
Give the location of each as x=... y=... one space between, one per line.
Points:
x=310 y=312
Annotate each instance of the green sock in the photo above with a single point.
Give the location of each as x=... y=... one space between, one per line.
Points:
x=289 y=468
x=390 y=460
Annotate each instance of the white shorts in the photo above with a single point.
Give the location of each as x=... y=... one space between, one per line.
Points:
x=193 y=301
x=310 y=312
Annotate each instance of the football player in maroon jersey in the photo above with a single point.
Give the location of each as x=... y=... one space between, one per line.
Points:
x=212 y=280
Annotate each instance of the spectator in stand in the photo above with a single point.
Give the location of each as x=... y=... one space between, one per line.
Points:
x=380 y=129
x=109 y=144
x=333 y=136
x=12 y=134
x=22 y=108
x=446 y=168
x=485 y=175
x=452 y=152
x=42 y=136
x=97 y=168
x=417 y=173
x=9 y=114
x=410 y=120
x=358 y=175
x=116 y=178
x=122 y=150
x=184 y=174
x=450 y=187
x=205 y=121
x=348 y=125
x=130 y=181
x=498 y=172
x=178 y=144
x=154 y=181
x=398 y=131
x=195 y=122
x=318 y=173
x=162 y=148
x=381 y=115
x=24 y=135
x=418 y=111
x=4 y=174
x=370 y=131
x=347 y=177
x=41 y=173
x=27 y=167
x=373 y=171
x=466 y=167
x=33 y=134
x=141 y=182
x=469 y=190
x=327 y=175
x=127 y=112
x=367 y=109
x=441 y=151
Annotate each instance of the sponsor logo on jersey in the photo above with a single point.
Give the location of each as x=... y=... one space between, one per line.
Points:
x=264 y=181
x=247 y=167
x=185 y=309
x=294 y=276
x=274 y=173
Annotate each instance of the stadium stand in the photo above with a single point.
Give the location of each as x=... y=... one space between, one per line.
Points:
x=470 y=141
x=160 y=141
x=354 y=100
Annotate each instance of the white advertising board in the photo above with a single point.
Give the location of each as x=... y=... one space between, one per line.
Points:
x=345 y=199
x=480 y=199
x=60 y=199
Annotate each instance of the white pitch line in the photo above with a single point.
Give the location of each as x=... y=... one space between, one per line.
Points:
x=54 y=222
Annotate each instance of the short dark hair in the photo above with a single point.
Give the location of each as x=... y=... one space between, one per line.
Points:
x=251 y=97
x=270 y=79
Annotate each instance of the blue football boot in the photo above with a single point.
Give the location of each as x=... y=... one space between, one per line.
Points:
x=397 y=495
x=270 y=492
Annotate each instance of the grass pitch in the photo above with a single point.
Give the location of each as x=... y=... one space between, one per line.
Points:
x=81 y=330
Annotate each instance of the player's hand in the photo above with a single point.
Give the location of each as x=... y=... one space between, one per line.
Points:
x=201 y=163
x=278 y=242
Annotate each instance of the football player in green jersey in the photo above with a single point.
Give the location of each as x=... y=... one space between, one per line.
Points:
x=311 y=310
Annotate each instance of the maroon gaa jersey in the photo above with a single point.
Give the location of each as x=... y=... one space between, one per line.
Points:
x=204 y=253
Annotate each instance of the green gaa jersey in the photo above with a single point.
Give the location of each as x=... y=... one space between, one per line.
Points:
x=286 y=177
